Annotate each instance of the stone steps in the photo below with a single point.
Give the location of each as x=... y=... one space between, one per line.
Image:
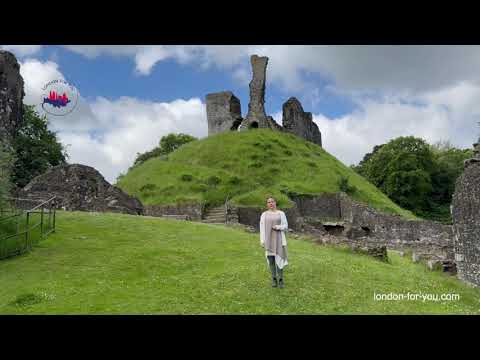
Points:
x=215 y=215
x=176 y=217
x=214 y=218
x=219 y=213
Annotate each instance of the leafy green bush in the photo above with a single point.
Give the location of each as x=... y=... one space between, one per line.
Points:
x=167 y=144
x=344 y=185
x=235 y=180
x=214 y=180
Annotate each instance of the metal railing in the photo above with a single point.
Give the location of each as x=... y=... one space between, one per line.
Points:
x=23 y=229
x=226 y=209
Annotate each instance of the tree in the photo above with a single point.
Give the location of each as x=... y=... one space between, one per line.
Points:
x=360 y=168
x=417 y=176
x=35 y=148
x=171 y=142
x=401 y=169
x=167 y=144
x=449 y=165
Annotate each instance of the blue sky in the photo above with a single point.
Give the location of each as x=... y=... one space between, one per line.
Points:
x=114 y=76
x=360 y=96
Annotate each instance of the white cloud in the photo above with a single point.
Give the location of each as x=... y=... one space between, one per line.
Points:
x=446 y=114
x=351 y=68
x=145 y=56
x=21 y=50
x=126 y=126
x=36 y=74
x=107 y=134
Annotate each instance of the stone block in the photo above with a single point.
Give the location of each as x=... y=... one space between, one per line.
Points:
x=223 y=112
x=299 y=122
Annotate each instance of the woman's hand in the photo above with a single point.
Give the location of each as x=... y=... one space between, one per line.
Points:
x=276 y=227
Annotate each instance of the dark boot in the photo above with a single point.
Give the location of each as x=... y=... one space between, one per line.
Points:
x=273 y=268
x=280 y=277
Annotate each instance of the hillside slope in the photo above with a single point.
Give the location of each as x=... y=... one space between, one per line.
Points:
x=247 y=166
x=124 y=264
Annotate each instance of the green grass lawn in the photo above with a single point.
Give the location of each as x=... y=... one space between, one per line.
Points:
x=247 y=166
x=122 y=264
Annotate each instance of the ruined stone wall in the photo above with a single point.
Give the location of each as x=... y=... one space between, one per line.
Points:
x=325 y=207
x=344 y=221
x=428 y=239
x=299 y=122
x=223 y=112
x=466 y=220
x=80 y=187
x=11 y=96
x=193 y=211
x=360 y=224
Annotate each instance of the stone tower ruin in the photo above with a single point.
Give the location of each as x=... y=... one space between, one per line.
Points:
x=256 y=117
x=224 y=110
x=299 y=122
x=466 y=220
x=11 y=97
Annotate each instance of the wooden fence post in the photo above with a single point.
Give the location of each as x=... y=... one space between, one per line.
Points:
x=41 y=223
x=27 y=238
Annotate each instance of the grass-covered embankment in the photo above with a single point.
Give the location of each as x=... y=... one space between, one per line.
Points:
x=247 y=166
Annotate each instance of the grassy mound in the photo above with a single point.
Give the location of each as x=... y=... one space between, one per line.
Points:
x=122 y=264
x=248 y=166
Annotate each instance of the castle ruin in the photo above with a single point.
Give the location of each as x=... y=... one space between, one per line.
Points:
x=466 y=219
x=224 y=110
x=11 y=97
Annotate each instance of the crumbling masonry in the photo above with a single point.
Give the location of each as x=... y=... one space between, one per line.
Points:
x=466 y=220
x=224 y=110
x=11 y=97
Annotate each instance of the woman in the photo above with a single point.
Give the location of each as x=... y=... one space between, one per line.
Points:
x=273 y=224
